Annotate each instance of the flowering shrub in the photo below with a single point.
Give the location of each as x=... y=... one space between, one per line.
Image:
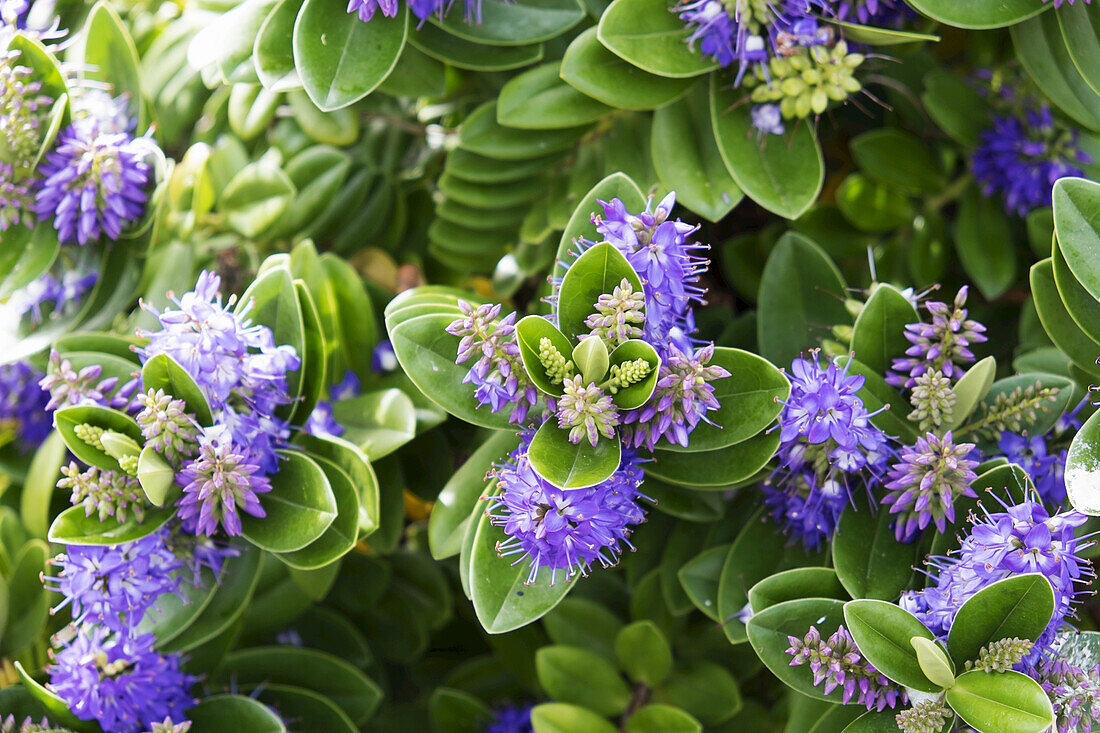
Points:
x=525 y=366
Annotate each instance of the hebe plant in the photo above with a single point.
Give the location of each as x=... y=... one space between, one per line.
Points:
x=547 y=365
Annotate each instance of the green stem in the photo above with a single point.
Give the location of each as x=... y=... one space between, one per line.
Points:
x=949 y=194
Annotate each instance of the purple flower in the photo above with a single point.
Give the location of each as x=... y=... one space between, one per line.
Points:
x=383 y=359
x=680 y=401
x=67 y=386
x=826 y=439
x=218 y=483
x=711 y=27
x=661 y=252
x=114 y=586
x=1046 y=470
x=366 y=9
x=93 y=182
x=498 y=375
x=27 y=725
x=944 y=344
x=1021 y=158
x=1058 y=4
x=768 y=119
x=1074 y=693
x=237 y=365
x=23 y=404
x=61 y=296
x=1024 y=538
x=838 y=663
x=564 y=529
x=16 y=198
x=888 y=13
x=511 y=719
x=925 y=482
x=120 y=682
x=422 y=9
x=321 y=421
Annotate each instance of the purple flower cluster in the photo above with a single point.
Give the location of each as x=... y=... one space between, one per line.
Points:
x=943 y=344
x=321 y=421
x=93 y=182
x=1024 y=538
x=422 y=9
x=838 y=663
x=826 y=436
x=1074 y=692
x=67 y=386
x=1047 y=470
x=662 y=253
x=23 y=404
x=497 y=375
x=243 y=375
x=925 y=482
x=61 y=295
x=1021 y=156
x=113 y=586
x=121 y=682
x=564 y=529
x=889 y=13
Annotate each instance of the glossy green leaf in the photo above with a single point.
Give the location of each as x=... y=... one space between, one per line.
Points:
x=879 y=332
x=1082 y=307
x=596 y=272
x=66 y=419
x=378 y=422
x=28 y=601
x=355 y=464
x=538 y=99
x=1083 y=468
x=235 y=712
x=871 y=206
x=933 y=661
x=616 y=185
x=882 y=632
x=646 y=34
x=971 y=389
x=341 y=59
x=340 y=536
x=74 y=527
x=515 y=23
x=256 y=197
x=1048 y=412
x=801 y=291
x=1041 y=50
x=700 y=577
x=155 y=475
x=299 y=507
x=644 y=653
x=578 y=622
x=790 y=585
x=869 y=560
x=41 y=482
x=112 y=58
x=464 y=54
x=638 y=394
x=455 y=711
x=979 y=13
x=877 y=393
x=163 y=372
x=1076 y=207
x=1017 y=607
x=1008 y=702
x=529 y=333
x=706 y=691
x=657 y=718
x=51 y=703
x=756 y=553
x=556 y=717
x=1080 y=26
x=580 y=677
x=782 y=173
x=721 y=468
x=572 y=465
x=1057 y=322
x=482 y=134
x=234 y=589
x=592 y=68
x=955 y=106
x=273 y=52
x=309 y=710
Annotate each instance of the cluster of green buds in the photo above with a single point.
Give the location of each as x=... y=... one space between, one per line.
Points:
x=1012 y=411
x=103 y=492
x=1001 y=655
x=167 y=426
x=933 y=401
x=23 y=113
x=807 y=80
x=619 y=315
x=928 y=716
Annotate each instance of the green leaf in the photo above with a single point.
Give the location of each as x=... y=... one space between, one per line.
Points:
x=796 y=583
x=1017 y=607
x=515 y=23
x=686 y=157
x=579 y=622
x=1082 y=307
x=801 y=292
x=590 y=67
x=463 y=54
x=299 y=507
x=164 y=372
x=592 y=361
x=556 y=717
x=340 y=536
x=1066 y=335
x=355 y=464
x=223 y=46
x=983 y=241
x=1049 y=412
x=879 y=331
x=869 y=560
x=28 y=601
x=67 y=419
x=111 y=57
x=378 y=422
x=572 y=465
x=538 y=99
x=657 y=718
x=596 y=272
x=455 y=711
x=74 y=527
x=234 y=589
x=273 y=301
x=756 y=553
x=416 y=75
x=1007 y=702
x=979 y=13
x=882 y=632
x=699 y=578
x=955 y=106
x=1076 y=210
x=52 y=704
x=769 y=629
x=256 y=197
x=1041 y=50
x=309 y=710
x=877 y=393
x=1083 y=468
x=427 y=355
x=529 y=332
x=646 y=34
x=971 y=389
x=722 y=468
x=706 y=691
x=687 y=504
x=644 y=653
x=341 y=59
x=635 y=395
x=236 y=712
x=504 y=594
x=933 y=661
x=480 y=133
x=38 y=489
x=782 y=173
x=273 y=51
x=1080 y=26
x=615 y=186
x=873 y=36
x=353 y=691
x=872 y=206
x=155 y=475
x=580 y=677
